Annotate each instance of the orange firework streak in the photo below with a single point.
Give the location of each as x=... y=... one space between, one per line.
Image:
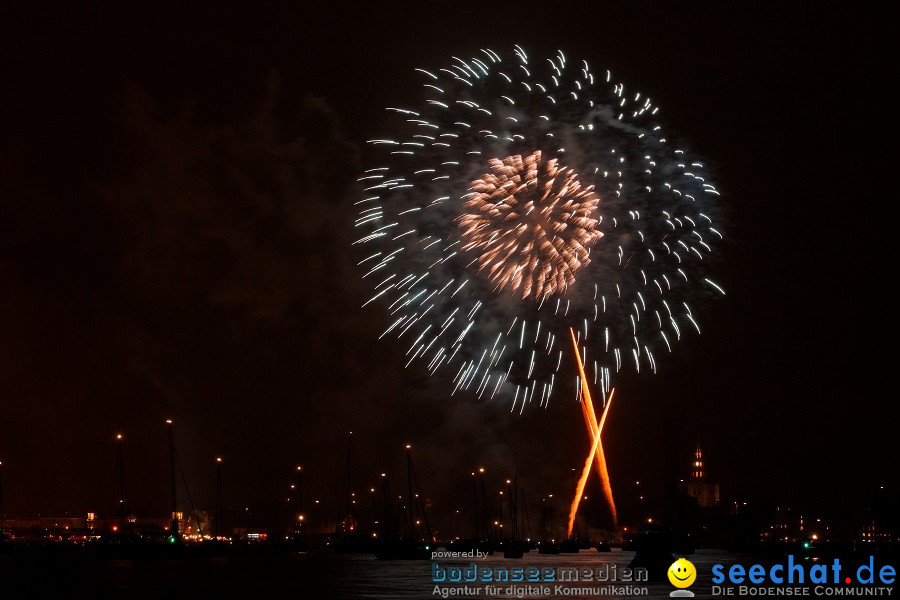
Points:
x=594 y=429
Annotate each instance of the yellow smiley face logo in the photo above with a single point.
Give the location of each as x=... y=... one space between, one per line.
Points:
x=682 y=573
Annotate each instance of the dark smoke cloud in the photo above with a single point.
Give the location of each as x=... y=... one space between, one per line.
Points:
x=194 y=268
x=200 y=269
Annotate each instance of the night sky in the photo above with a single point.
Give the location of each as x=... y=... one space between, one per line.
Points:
x=176 y=207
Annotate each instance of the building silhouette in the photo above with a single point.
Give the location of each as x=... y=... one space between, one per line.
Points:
x=698 y=486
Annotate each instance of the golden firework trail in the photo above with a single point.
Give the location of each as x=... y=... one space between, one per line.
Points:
x=594 y=429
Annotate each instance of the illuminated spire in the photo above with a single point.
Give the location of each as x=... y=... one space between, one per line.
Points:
x=697 y=468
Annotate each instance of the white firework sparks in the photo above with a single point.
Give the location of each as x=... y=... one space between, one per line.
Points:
x=484 y=263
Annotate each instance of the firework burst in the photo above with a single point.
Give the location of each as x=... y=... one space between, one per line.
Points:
x=530 y=224
x=519 y=199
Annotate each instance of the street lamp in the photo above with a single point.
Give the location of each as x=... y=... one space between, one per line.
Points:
x=123 y=498
x=173 y=527
x=1 y=500
x=374 y=518
x=299 y=493
x=386 y=527
x=488 y=531
x=409 y=489
x=218 y=496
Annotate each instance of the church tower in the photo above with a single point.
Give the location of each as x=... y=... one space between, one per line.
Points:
x=699 y=486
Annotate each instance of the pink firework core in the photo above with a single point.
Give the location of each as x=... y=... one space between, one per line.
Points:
x=531 y=223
